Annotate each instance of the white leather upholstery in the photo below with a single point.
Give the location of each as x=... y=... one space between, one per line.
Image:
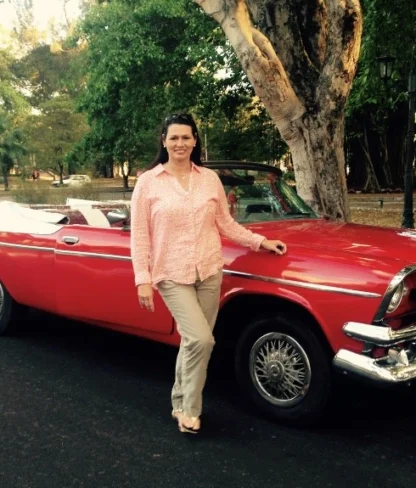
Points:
x=94 y=217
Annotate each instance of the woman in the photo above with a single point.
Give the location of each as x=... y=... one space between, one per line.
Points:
x=178 y=212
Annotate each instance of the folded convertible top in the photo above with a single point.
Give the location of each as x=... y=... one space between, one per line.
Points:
x=18 y=218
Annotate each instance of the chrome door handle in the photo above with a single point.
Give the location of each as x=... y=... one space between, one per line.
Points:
x=70 y=239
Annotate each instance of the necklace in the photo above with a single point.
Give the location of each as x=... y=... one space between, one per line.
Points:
x=178 y=175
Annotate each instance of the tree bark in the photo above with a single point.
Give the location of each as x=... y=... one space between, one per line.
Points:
x=61 y=173
x=5 y=177
x=371 y=183
x=382 y=131
x=126 y=176
x=300 y=58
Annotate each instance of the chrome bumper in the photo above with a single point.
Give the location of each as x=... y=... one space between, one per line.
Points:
x=398 y=366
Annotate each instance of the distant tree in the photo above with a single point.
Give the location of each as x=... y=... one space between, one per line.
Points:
x=55 y=132
x=47 y=74
x=89 y=153
x=247 y=133
x=377 y=111
x=134 y=84
x=11 y=98
x=130 y=86
x=11 y=146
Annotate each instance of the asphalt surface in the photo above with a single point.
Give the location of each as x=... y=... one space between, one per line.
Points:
x=84 y=407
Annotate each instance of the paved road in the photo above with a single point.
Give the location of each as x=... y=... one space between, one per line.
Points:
x=82 y=407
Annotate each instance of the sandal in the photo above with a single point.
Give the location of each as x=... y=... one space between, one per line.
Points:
x=189 y=425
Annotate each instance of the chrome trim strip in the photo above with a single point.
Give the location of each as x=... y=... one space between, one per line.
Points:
x=25 y=246
x=300 y=284
x=63 y=252
x=279 y=281
x=400 y=276
x=83 y=254
x=379 y=335
x=366 y=367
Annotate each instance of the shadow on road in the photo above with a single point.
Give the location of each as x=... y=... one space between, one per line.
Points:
x=68 y=346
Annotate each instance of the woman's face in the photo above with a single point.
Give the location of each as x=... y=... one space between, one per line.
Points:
x=179 y=142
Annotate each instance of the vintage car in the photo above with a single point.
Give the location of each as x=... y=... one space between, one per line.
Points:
x=72 y=181
x=343 y=297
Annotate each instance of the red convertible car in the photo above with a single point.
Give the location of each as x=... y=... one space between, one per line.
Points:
x=342 y=298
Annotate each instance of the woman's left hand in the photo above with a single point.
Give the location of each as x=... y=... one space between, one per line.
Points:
x=277 y=247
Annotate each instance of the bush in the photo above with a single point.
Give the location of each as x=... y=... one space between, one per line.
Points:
x=43 y=193
x=30 y=193
x=289 y=176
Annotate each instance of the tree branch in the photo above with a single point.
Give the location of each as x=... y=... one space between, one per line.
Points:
x=259 y=60
x=214 y=8
x=298 y=32
x=342 y=50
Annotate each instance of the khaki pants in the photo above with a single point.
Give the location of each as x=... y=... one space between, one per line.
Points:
x=194 y=308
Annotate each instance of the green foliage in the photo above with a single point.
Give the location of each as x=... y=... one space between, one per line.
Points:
x=139 y=63
x=54 y=132
x=47 y=74
x=42 y=193
x=246 y=133
x=11 y=98
x=377 y=111
x=148 y=58
x=388 y=30
x=11 y=145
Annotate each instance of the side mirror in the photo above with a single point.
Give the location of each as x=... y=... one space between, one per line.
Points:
x=118 y=215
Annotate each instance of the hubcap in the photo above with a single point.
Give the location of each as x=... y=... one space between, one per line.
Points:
x=280 y=369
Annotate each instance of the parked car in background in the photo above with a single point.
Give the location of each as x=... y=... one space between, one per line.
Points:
x=73 y=180
x=342 y=299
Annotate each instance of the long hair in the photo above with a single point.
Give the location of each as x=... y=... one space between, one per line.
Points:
x=162 y=156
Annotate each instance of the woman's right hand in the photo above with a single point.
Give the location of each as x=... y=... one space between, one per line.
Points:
x=145 y=294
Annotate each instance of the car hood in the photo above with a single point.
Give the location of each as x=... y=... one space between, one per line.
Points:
x=364 y=240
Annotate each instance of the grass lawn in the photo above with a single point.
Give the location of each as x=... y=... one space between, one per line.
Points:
x=384 y=218
x=365 y=208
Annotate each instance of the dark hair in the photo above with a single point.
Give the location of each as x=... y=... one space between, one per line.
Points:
x=182 y=119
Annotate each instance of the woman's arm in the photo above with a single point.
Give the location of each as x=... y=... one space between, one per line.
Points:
x=140 y=233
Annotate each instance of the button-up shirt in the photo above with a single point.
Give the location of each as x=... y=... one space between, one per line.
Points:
x=175 y=233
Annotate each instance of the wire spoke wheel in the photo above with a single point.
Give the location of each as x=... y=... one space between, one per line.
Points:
x=280 y=369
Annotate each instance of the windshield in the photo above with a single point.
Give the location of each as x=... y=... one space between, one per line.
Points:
x=259 y=196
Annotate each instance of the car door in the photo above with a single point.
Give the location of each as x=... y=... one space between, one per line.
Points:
x=95 y=280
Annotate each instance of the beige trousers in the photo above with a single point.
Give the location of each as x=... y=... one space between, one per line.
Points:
x=194 y=308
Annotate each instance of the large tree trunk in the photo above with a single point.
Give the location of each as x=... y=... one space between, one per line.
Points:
x=319 y=164
x=301 y=58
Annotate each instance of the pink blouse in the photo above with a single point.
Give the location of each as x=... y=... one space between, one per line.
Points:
x=176 y=232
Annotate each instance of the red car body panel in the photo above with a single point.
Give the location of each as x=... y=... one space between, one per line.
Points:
x=92 y=280
x=95 y=286
x=28 y=271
